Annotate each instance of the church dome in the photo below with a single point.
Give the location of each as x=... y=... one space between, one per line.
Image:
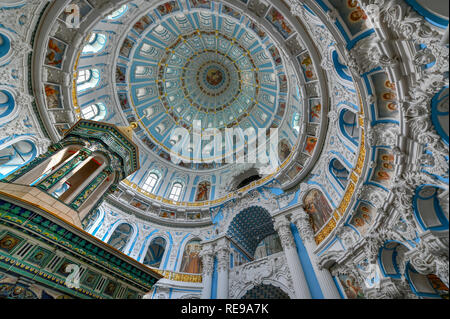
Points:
x=258 y=137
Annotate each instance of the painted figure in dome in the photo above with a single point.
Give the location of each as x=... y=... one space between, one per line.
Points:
x=203 y=191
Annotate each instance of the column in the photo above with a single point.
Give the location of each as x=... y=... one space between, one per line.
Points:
x=53 y=180
x=96 y=178
x=53 y=149
x=89 y=189
x=207 y=257
x=326 y=282
x=223 y=263
x=282 y=226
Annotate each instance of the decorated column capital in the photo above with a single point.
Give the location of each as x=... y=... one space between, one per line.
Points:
x=223 y=254
x=207 y=256
x=282 y=227
x=302 y=221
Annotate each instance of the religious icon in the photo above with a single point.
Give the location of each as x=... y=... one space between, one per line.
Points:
x=383 y=176
x=8 y=243
x=214 y=76
x=55 y=53
x=191 y=258
x=277 y=19
x=315 y=112
x=310 y=144
x=389 y=96
x=283 y=150
x=203 y=191
x=316 y=205
x=53 y=97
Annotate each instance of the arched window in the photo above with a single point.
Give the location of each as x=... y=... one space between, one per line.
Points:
x=155 y=252
x=94 y=112
x=118 y=13
x=429 y=206
x=348 y=123
x=191 y=258
x=96 y=43
x=339 y=172
x=150 y=182
x=87 y=79
x=120 y=237
x=268 y=246
x=90 y=219
x=7 y=105
x=296 y=122
x=15 y=156
x=175 y=192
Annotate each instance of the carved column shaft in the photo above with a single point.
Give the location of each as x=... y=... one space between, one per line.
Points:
x=223 y=262
x=282 y=226
x=326 y=282
x=208 y=267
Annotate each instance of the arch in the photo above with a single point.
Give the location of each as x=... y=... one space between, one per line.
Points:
x=391 y=259
x=49 y=165
x=87 y=79
x=96 y=44
x=428 y=209
x=117 y=14
x=151 y=181
x=284 y=150
x=176 y=191
x=94 y=112
x=339 y=172
x=5 y=46
x=439 y=113
x=318 y=208
x=249 y=227
x=296 y=122
x=67 y=189
x=121 y=237
x=348 y=124
x=8 y=109
x=425 y=286
x=155 y=252
x=92 y=220
x=269 y=245
x=191 y=262
x=16 y=154
x=265 y=291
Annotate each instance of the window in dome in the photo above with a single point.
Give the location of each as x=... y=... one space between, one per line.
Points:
x=150 y=182
x=121 y=236
x=97 y=42
x=87 y=79
x=118 y=13
x=296 y=122
x=155 y=252
x=94 y=112
x=268 y=246
x=175 y=192
x=339 y=172
x=15 y=156
x=349 y=125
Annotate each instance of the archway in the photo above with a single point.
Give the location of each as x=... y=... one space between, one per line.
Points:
x=264 y=291
x=250 y=227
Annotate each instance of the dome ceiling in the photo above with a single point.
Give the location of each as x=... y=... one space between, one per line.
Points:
x=198 y=65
